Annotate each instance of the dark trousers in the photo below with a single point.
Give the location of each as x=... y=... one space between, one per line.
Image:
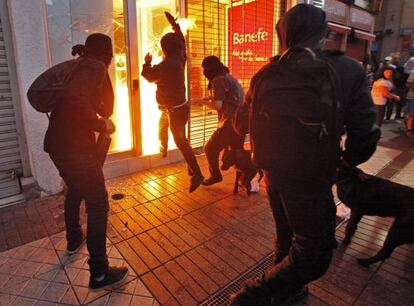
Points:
x=380 y=114
x=163 y=130
x=305 y=227
x=390 y=108
x=222 y=137
x=177 y=119
x=84 y=178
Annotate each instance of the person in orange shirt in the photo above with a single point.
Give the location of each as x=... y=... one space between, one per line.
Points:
x=381 y=92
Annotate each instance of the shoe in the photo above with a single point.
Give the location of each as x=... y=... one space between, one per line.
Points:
x=196 y=181
x=73 y=247
x=251 y=295
x=164 y=152
x=212 y=180
x=114 y=277
x=294 y=298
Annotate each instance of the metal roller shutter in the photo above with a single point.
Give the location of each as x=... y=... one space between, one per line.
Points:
x=10 y=158
x=216 y=22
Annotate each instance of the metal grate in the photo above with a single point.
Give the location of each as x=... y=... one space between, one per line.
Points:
x=216 y=22
x=222 y=297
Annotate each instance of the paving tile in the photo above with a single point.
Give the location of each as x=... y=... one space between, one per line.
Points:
x=157 y=288
x=55 y=292
x=14 y=285
x=143 y=252
x=164 y=243
x=155 y=249
x=22 y=301
x=70 y=298
x=28 y=268
x=133 y=259
x=141 y=289
x=101 y=301
x=142 y=301
x=6 y=299
x=119 y=299
x=34 y=288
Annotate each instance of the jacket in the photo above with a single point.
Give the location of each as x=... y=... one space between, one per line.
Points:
x=75 y=119
x=170 y=80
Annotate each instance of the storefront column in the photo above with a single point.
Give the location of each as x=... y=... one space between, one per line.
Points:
x=32 y=58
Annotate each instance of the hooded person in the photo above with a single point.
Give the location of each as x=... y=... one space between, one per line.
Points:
x=87 y=102
x=170 y=80
x=226 y=94
x=303 y=207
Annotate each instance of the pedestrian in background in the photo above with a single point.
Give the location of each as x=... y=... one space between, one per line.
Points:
x=70 y=142
x=302 y=203
x=382 y=93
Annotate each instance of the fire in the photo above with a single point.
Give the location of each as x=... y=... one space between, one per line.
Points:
x=149 y=108
x=122 y=139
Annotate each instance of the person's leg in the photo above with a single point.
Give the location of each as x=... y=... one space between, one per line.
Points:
x=74 y=235
x=217 y=142
x=163 y=132
x=390 y=109
x=380 y=114
x=284 y=233
x=312 y=220
x=178 y=118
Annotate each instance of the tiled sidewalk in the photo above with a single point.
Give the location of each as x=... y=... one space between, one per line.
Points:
x=181 y=248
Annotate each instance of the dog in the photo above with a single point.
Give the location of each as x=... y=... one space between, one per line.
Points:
x=245 y=169
x=369 y=195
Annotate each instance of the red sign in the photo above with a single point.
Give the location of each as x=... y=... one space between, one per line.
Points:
x=250 y=38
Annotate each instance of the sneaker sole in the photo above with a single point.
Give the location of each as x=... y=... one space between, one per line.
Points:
x=76 y=250
x=110 y=285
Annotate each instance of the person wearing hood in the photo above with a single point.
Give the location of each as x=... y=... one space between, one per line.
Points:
x=71 y=143
x=170 y=80
x=303 y=208
x=226 y=94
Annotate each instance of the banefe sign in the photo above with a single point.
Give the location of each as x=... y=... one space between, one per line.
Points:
x=250 y=38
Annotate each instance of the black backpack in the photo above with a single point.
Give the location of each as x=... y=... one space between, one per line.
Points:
x=294 y=115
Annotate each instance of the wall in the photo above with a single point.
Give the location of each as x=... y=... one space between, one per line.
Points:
x=28 y=25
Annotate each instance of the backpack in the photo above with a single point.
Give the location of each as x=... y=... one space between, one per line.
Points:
x=46 y=90
x=293 y=115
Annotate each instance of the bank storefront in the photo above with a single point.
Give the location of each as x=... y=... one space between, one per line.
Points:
x=241 y=33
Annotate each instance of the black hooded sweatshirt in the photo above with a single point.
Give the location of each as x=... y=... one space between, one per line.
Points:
x=306 y=26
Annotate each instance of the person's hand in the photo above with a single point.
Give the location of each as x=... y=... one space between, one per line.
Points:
x=148 y=58
x=109 y=125
x=397 y=98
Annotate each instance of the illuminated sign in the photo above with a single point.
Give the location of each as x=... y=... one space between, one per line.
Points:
x=250 y=38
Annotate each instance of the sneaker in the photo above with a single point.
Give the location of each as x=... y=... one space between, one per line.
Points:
x=114 y=277
x=294 y=298
x=212 y=180
x=196 y=181
x=251 y=295
x=163 y=152
x=73 y=247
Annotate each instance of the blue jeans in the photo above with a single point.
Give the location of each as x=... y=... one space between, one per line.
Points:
x=84 y=178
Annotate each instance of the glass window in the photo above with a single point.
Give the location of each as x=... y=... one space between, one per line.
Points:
x=69 y=23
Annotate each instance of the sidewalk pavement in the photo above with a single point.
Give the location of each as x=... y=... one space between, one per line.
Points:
x=183 y=248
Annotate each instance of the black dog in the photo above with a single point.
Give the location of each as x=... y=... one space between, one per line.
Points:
x=245 y=169
x=370 y=195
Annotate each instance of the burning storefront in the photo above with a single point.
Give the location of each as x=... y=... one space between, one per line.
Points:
x=240 y=33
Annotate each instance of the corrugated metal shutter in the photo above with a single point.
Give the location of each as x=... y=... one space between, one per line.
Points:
x=211 y=37
x=10 y=158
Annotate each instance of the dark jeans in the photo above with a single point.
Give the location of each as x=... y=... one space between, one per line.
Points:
x=163 y=130
x=305 y=227
x=380 y=114
x=84 y=178
x=177 y=119
x=222 y=137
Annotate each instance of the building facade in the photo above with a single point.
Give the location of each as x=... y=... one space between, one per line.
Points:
x=38 y=34
x=394 y=29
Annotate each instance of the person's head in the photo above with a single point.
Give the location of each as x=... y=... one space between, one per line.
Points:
x=212 y=67
x=304 y=25
x=171 y=44
x=388 y=73
x=98 y=46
